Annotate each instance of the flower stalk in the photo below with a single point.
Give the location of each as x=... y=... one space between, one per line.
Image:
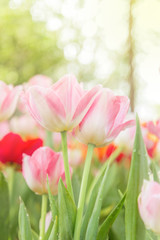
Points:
x=83 y=192
x=43 y=216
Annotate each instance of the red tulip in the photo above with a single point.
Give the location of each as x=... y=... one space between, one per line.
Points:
x=12 y=148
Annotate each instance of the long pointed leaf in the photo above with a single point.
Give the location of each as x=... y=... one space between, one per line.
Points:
x=134 y=227
x=54 y=232
x=92 y=228
x=24 y=223
x=66 y=213
x=4 y=208
x=104 y=229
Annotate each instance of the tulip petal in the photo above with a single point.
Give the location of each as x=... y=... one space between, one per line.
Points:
x=9 y=101
x=46 y=108
x=117 y=130
x=123 y=103
x=84 y=104
x=70 y=92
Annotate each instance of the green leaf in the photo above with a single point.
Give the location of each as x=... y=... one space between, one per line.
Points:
x=90 y=207
x=47 y=234
x=134 y=227
x=34 y=235
x=52 y=202
x=104 y=229
x=95 y=188
x=66 y=213
x=92 y=228
x=54 y=232
x=24 y=223
x=4 y=208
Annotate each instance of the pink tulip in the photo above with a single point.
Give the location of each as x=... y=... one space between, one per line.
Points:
x=44 y=161
x=4 y=129
x=8 y=100
x=154 y=128
x=62 y=106
x=149 y=205
x=48 y=220
x=26 y=126
x=40 y=80
x=104 y=119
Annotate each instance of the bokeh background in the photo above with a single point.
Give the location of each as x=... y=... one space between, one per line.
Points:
x=115 y=43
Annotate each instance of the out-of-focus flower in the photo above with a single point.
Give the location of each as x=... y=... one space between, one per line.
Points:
x=48 y=220
x=154 y=128
x=37 y=80
x=26 y=127
x=105 y=152
x=62 y=106
x=104 y=119
x=149 y=205
x=150 y=139
x=8 y=100
x=12 y=148
x=4 y=129
x=77 y=153
x=44 y=161
x=57 y=141
x=40 y=80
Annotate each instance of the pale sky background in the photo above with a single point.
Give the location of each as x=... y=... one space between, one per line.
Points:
x=107 y=20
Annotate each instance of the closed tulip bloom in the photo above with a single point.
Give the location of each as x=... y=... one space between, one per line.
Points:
x=60 y=107
x=44 y=161
x=9 y=96
x=104 y=119
x=149 y=205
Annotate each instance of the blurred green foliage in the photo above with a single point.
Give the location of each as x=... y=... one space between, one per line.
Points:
x=26 y=47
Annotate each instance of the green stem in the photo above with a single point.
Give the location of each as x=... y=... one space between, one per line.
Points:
x=48 y=139
x=43 y=217
x=66 y=164
x=83 y=192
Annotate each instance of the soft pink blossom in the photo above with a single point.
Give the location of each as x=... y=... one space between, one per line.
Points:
x=62 y=106
x=149 y=205
x=48 y=220
x=26 y=126
x=44 y=161
x=4 y=129
x=104 y=119
x=154 y=128
x=9 y=96
x=40 y=80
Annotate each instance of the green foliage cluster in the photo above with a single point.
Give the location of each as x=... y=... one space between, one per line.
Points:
x=26 y=47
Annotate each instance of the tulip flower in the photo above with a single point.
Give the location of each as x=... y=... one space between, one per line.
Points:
x=149 y=205
x=44 y=161
x=8 y=100
x=154 y=128
x=26 y=127
x=60 y=107
x=4 y=129
x=104 y=119
x=40 y=80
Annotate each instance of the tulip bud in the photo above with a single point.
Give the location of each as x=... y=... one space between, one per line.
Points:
x=149 y=205
x=43 y=162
